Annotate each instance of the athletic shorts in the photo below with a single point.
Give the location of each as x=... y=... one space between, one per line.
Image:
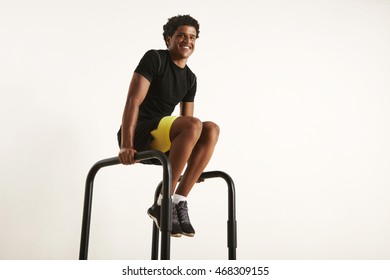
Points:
x=161 y=135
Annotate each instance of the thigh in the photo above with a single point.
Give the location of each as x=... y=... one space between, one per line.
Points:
x=161 y=134
x=184 y=123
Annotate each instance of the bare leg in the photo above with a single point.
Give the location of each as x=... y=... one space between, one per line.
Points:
x=199 y=158
x=185 y=133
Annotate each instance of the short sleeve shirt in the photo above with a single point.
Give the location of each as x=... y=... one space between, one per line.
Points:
x=169 y=85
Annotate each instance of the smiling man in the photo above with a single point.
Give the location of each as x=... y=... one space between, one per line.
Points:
x=161 y=81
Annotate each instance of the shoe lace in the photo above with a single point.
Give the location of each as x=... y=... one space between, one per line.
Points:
x=182 y=211
x=175 y=219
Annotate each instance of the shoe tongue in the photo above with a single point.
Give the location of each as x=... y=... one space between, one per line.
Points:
x=183 y=203
x=183 y=212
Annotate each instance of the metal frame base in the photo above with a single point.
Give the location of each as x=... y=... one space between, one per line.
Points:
x=166 y=213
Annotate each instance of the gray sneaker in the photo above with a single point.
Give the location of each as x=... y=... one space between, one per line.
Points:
x=154 y=213
x=176 y=229
x=184 y=219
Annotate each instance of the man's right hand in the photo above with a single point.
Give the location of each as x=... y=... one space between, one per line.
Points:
x=127 y=156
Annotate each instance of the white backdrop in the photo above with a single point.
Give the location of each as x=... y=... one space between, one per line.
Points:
x=300 y=90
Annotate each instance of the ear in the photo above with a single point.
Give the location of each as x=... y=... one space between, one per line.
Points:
x=168 y=40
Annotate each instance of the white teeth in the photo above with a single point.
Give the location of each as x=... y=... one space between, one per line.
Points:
x=186 y=47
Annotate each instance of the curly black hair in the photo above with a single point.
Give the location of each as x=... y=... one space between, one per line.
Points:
x=174 y=22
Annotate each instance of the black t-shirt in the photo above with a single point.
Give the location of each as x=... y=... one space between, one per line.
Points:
x=169 y=85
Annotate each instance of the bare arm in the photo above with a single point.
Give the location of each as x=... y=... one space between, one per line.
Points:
x=138 y=89
x=187 y=109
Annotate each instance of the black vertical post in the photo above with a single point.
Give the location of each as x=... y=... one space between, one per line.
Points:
x=88 y=204
x=155 y=231
x=166 y=218
x=166 y=209
x=231 y=223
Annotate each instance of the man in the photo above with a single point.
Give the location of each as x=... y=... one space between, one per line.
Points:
x=161 y=81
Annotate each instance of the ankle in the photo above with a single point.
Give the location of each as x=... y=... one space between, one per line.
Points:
x=176 y=198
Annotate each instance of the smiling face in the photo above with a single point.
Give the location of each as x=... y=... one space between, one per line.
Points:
x=182 y=44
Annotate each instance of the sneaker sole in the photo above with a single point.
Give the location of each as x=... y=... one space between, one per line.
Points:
x=156 y=223
x=177 y=235
x=189 y=234
x=154 y=219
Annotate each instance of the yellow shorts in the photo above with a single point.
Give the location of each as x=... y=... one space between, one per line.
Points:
x=162 y=140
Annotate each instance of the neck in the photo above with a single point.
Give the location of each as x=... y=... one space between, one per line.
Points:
x=180 y=62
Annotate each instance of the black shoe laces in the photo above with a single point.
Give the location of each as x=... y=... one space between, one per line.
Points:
x=182 y=211
x=175 y=219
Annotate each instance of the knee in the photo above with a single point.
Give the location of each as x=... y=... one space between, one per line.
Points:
x=210 y=131
x=193 y=126
x=188 y=127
